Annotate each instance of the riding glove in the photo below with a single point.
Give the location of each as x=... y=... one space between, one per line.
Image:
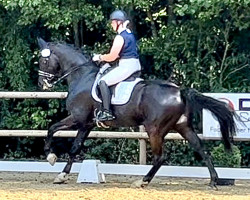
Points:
x=96 y=57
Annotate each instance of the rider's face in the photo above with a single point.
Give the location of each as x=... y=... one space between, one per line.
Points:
x=114 y=24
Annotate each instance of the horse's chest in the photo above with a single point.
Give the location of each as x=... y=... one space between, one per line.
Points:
x=78 y=100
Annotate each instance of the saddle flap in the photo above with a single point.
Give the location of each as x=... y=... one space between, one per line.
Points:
x=121 y=92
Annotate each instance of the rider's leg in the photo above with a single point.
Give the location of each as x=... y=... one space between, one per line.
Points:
x=106 y=114
x=125 y=69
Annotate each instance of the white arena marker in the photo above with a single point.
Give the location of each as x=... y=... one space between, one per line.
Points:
x=89 y=172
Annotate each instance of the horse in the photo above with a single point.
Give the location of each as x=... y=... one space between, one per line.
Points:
x=159 y=106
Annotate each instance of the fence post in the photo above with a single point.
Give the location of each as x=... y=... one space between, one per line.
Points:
x=143 y=147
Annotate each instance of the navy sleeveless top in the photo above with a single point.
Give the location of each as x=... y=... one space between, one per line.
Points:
x=129 y=49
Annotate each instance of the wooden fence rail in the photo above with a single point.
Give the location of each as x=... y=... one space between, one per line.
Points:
x=142 y=135
x=33 y=95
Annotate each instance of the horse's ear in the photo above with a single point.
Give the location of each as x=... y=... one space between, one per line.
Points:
x=42 y=44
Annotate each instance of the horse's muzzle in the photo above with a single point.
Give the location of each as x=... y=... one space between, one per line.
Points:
x=44 y=83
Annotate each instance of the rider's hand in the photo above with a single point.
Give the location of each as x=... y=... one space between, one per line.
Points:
x=96 y=57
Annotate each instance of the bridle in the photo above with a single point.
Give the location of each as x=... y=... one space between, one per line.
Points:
x=49 y=77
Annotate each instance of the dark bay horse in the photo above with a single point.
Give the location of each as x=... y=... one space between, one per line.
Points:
x=158 y=105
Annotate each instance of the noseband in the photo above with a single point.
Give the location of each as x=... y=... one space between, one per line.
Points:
x=49 y=76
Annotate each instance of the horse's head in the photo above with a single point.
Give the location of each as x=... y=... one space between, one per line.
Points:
x=49 y=67
x=60 y=61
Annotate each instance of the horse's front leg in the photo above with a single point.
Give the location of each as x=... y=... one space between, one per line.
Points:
x=64 y=124
x=81 y=136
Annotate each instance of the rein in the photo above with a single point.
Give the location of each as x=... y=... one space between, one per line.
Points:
x=67 y=73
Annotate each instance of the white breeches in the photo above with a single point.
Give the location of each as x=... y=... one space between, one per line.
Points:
x=125 y=69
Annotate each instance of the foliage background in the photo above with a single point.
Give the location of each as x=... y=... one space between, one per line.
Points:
x=195 y=43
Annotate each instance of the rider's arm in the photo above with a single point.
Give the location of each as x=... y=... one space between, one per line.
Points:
x=114 y=51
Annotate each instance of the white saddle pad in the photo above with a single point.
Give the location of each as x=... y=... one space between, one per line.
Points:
x=122 y=93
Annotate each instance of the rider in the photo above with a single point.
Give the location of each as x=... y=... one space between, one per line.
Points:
x=125 y=49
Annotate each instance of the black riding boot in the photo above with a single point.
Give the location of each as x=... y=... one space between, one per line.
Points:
x=106 y=114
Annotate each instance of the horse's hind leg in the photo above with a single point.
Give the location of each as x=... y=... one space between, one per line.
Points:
x=156 y=142
x=64 y=124
x=196 y=143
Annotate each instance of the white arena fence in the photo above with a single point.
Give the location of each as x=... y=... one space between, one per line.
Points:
x=128 y=169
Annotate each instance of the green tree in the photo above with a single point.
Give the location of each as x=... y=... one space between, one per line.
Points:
x=202 y=48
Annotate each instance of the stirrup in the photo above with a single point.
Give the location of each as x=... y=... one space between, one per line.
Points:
x=105 y=116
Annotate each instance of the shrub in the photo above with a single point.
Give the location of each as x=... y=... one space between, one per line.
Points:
x=222 y=158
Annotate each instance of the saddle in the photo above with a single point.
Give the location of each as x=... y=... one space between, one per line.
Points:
x=121 y=92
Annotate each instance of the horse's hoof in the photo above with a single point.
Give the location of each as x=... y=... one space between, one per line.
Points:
x=213 y=186
x=139 y=184
x=51 y=158
x=61 y=178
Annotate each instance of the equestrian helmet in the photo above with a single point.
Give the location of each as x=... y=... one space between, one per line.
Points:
x=119 y=15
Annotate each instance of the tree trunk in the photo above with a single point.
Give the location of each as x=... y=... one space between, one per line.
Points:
x=171 y=16
x=153 y=27
x=131 y=15
x=75 y=25
x=76 y=34
x=81 y=33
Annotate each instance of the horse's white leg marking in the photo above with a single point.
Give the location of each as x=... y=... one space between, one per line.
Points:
x=61 y=178
x=139 y=184
x=51 y=158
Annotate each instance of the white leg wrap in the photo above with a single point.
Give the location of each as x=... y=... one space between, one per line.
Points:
x=51 y=158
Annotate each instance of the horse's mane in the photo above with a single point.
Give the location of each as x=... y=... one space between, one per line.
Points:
x=72 y=47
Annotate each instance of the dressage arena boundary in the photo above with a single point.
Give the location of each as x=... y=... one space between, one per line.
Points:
x=120 y=169
x=99 y=168
x=96 y=170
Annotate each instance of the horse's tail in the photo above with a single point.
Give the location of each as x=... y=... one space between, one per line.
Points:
x=195 y=101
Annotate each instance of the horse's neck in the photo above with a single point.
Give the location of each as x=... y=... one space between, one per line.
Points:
x=84 y=77
x=70 y=59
